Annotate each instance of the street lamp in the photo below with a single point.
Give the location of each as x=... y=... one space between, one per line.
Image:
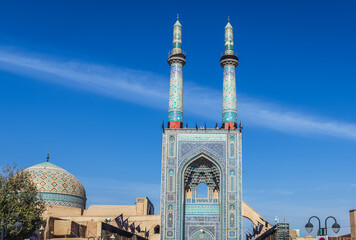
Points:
x=17 y=226
x=107 y=220
x=322 y=231
x=309 y=227
x=335 y=227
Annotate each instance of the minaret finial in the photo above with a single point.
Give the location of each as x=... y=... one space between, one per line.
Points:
x=228 y=18
x=177 y=16
x=48 y=155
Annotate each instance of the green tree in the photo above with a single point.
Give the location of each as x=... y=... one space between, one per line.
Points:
x=19 y=196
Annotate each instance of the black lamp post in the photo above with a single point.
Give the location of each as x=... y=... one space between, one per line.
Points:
x=322 y=231
x=17 y=226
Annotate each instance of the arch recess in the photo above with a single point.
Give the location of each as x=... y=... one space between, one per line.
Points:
x=201 y=234
x=210 y=157
x=183 y=168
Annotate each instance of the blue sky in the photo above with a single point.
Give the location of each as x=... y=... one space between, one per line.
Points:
x=89 y=80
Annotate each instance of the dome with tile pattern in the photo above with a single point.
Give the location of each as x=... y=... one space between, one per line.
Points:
x=57 y=187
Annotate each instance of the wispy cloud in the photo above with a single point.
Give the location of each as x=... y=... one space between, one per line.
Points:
x=151 y=89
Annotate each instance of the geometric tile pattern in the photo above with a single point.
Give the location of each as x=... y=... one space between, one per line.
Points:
x=189 y=147
x=229 y=42
x=177 y=37
x=229 y=94
x=57 y=186
x=175 y=111
x=193 y=156
x=229 y=83
x=198 y=235
x=218 y=219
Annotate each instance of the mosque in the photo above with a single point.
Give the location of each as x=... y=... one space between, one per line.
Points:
x=190 y=157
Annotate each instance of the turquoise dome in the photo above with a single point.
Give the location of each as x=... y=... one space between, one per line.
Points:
x=57 y=187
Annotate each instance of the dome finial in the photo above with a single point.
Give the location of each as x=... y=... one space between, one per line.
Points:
x=48 y=155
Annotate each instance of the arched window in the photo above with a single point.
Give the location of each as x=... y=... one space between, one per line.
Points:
x=171 y=146
x=202 y=190
x=156 y=229
x=215 y=192
x=188 y=193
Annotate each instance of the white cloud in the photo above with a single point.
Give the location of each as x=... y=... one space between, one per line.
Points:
x=151 y=90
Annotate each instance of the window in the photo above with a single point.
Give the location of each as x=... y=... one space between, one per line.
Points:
x=215 y=193
x=188 y=193
x=202 y=190
x=156 y=229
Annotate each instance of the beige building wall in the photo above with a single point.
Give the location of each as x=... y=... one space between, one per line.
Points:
x=251 y=214
x=62 y=221
x=68 y=222
x=353 y=224
x=110 y=210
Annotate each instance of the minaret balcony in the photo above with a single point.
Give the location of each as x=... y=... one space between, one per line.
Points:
x=174 y=57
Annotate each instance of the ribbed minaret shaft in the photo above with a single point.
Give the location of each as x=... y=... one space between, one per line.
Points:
x=229 y=62
x=176 y=60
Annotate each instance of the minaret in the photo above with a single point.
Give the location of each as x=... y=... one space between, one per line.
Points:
x=176 y=60
x=229 y=62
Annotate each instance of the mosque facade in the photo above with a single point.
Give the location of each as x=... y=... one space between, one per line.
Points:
x=201 y=156
x=190 y=157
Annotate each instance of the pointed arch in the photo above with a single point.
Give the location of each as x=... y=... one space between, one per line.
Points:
x=198 y=153
x=202 y=233
x=221 y=168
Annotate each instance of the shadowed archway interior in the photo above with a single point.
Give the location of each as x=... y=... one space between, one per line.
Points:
x=202 y=214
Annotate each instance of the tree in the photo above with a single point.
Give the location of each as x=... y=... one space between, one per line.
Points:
x=19 y=196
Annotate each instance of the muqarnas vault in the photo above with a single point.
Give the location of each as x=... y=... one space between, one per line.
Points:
x=194 y=156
